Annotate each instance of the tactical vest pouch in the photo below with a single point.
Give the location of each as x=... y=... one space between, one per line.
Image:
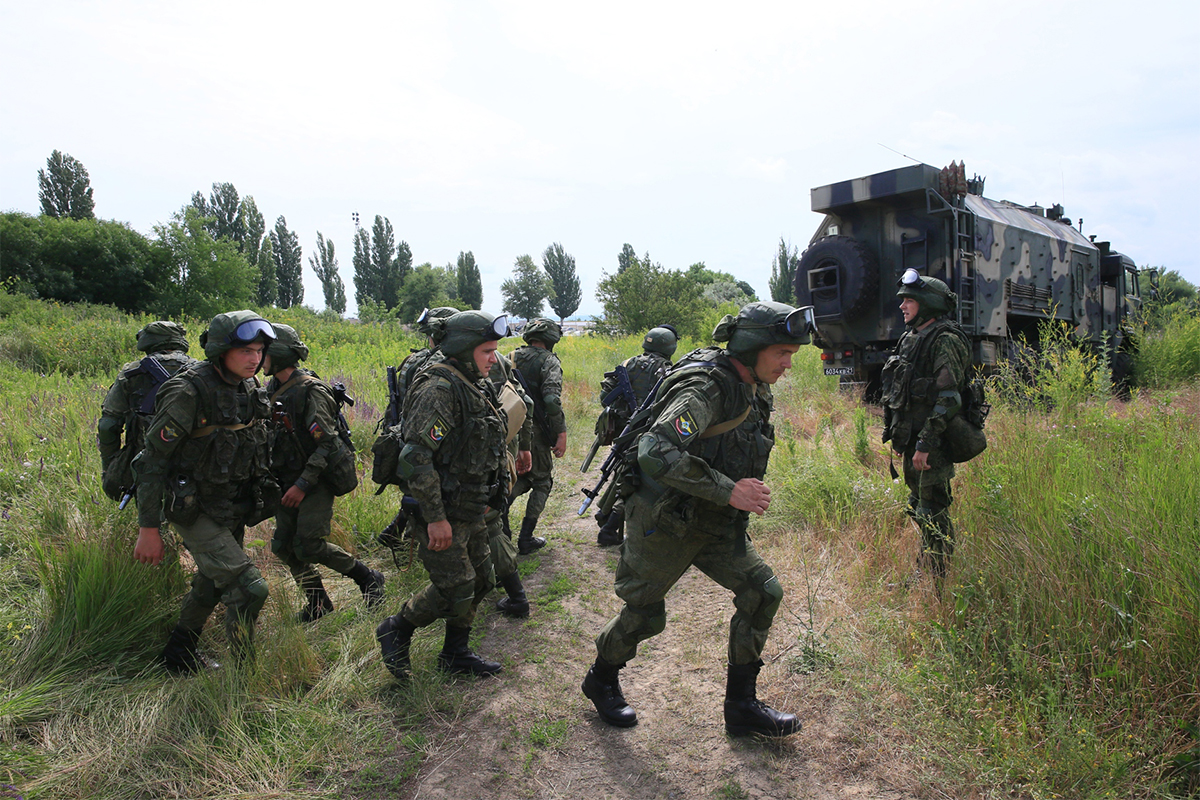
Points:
x=181 y=503
x=385 y=458
x=341 y=473
x=118 y=474
x=963 y=440
x=514 y=409
x=267 y=498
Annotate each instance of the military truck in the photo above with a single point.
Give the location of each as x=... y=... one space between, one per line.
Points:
x=1012 y=267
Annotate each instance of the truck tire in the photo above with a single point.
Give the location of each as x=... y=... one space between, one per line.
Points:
x=857 y=277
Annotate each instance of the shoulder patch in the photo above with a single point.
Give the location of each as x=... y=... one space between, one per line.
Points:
x=169 y=433
x=315 y=431
x=685 y=426
x=437 y=431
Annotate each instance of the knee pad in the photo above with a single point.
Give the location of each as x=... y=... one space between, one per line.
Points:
x=308 y=550
x=458 y=599
x=204 y=591
x=249 y=594
x=759 y=597
x=655 y=616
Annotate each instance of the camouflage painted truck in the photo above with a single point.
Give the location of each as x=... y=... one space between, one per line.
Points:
x=1012 y=267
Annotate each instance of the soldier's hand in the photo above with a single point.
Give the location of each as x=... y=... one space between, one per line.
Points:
x=921 y=461
x=524 y=461
x=560 y=445
x=440 y=535
x=293 y=496
x=750 y=494
x=149 y=548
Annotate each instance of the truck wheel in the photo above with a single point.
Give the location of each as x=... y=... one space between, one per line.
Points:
x=845 y=278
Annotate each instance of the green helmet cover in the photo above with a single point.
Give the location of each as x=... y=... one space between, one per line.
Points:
x=660 y=340
x=234 y=329
x=758 y=325
x=162 y=335
x=425 y=321
x=287 y=350
x=932 y=295
x=457 y=336
x=543 y=330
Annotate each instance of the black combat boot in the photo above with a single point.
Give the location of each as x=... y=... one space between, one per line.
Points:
x=612 y=532
x=457 y=659
x=395 y=637
x=745 y=713
x=526 y=541
x=516 y=604
x=181 y=655
x=602 y=686
x=319 y=603
x=370 y=583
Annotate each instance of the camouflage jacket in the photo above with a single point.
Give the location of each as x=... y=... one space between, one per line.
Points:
x=206 y=450
x=121 y=420
x=543 y=375
x=696 y=469
x=453 y=433
x=302 y=455
x=926 y=363
x=644 y=371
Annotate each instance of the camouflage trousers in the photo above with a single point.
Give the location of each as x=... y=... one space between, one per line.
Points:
x=459 y=576
x=540 y=479
x=224 y=574
x=301 y=532
x=501 y=545
x=651 y=565
x=929 y=502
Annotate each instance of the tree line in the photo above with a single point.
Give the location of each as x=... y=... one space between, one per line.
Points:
x=217 y=253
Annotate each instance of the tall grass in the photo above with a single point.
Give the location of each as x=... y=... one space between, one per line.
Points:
x=1059 y=659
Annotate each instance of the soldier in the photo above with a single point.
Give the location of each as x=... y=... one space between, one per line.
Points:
x=309 y=457
x=644 y=372
x=699 y=475
x=130 y=402
x=518 y=409
x=541 y=375
x=453 y=464
x=921 y=383
x=408 y=368
x=206 y=468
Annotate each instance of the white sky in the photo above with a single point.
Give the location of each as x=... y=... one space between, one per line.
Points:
x=690 y=130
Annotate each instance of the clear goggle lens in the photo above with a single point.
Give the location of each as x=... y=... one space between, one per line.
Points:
x=911 y=278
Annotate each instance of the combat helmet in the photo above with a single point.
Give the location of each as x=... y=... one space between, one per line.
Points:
x=932 y=295
x=234 y=329
x=543 y=330
x=762 y=324
x=162 y=335
x=287 y=350
x=661 y=340
x=425 y=321
x=457 y=336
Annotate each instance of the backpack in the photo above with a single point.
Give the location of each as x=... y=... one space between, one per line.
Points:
x=117 y=480
x=964 y=437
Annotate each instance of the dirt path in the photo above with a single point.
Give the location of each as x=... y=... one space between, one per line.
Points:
x=532 y=734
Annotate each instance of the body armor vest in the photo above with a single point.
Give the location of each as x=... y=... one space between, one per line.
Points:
x=909 y=383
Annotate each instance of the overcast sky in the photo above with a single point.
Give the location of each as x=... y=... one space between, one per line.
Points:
x=693 y=131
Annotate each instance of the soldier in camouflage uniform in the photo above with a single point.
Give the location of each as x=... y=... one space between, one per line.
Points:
x=698 y=477
x=206 y=468
x=408 y=368
x=519 y=437
x=921 y=393
x=130 y=401
x=309 y=458
x=453 y=464
x=644 y=372
x=542 y=376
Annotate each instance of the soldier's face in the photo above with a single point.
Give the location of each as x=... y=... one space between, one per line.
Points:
x=909 y=309
x=485 y=357
x=243 y=360
x=774 y=361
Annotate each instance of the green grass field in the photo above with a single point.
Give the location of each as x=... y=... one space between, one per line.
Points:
x=1059 y=661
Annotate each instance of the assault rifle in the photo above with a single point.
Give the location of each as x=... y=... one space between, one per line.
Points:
x=391 y=416
x=343 y=399
x=622 y=391
x=632 y=431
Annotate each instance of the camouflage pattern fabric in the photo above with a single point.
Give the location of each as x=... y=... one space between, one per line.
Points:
x=926 y=362
x=543 y=375
x=303 y=458
x=120 y=426
x=682 y=518
x=503 y=548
